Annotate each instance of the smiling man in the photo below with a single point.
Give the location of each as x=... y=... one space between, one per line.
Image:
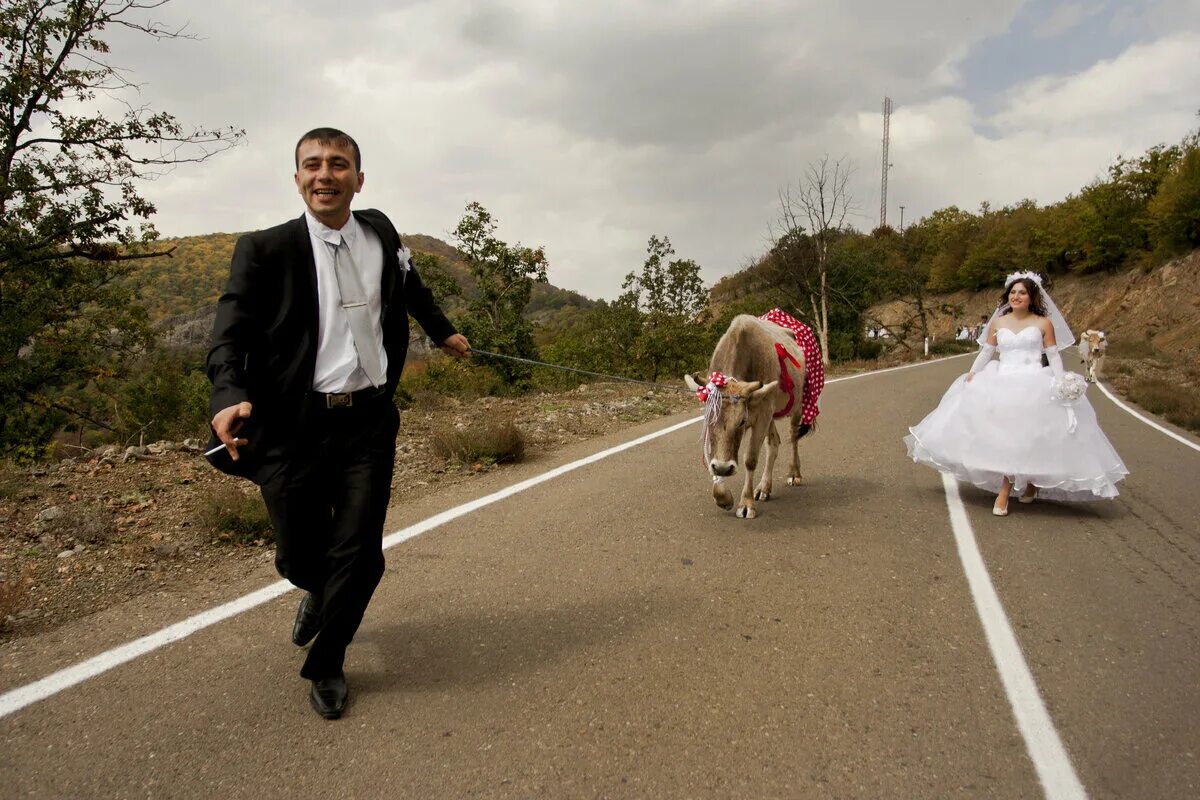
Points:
x=308 y=345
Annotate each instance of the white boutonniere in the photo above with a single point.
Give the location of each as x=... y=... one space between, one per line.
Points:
x=405 y=256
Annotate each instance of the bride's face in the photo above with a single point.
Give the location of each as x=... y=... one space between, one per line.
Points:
x=1018 y=297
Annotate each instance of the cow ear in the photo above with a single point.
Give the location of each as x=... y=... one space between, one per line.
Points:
x=691 y=383
x=758 y=394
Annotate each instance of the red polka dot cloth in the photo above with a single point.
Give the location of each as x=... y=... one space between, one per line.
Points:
x=814 y=375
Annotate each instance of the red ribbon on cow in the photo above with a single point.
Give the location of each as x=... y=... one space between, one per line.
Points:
x=786 y=384
x=814 y=372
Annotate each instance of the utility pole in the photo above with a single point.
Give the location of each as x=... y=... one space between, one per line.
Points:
x=902 y=219
x=887 y=119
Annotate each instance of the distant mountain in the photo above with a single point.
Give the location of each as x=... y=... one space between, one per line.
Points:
x=181 y=290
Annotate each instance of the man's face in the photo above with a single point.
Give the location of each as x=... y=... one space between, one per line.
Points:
x=327 y=180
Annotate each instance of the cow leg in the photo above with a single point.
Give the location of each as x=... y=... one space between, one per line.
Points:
x=721 y=494
x=763 y=490
x=745 y=508
x=794 y=477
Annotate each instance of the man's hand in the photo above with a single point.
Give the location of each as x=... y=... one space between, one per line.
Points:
x=226 y=424
x=457 y=345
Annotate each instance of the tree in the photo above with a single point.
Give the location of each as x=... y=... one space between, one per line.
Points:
x=901 y=273
x=604 y=340
x=1116 y=220
x=668 y=297
x=504 y=278
x=811 y=217
x=1175 y=209
x=69 y=176
x=944 y=238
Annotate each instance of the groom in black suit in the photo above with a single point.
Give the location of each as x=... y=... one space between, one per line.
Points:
x=308 y=346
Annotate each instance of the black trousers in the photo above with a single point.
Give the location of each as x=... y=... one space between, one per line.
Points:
x=327 y=503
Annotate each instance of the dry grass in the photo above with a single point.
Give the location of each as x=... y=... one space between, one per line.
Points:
x=14 y=591
x=236 y=517
x=1178 y=403
x=490 y=443
x=83 y=522
x=1131 y=348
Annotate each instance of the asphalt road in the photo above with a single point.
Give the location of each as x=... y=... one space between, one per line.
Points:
x=612 y=633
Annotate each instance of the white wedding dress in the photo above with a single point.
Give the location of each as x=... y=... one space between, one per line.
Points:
x=1005 y=422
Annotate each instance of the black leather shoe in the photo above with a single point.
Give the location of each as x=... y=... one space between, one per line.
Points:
x=329 y=696
x=308 y=621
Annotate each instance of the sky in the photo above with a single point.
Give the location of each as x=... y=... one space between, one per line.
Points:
x=586 y=128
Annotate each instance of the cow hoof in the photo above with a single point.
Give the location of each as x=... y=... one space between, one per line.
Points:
x=723 y=496
x=762 y=494
x=746 y=512
x=794 y=480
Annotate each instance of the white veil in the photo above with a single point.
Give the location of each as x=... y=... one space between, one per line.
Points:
x=1063 y=337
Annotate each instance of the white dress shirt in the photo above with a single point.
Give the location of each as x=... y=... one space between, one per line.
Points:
x=337 y=360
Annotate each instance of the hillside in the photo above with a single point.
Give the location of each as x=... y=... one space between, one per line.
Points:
x=181 y=289
x=1159 y=308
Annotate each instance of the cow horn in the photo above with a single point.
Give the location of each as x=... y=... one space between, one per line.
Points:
x=763 y=391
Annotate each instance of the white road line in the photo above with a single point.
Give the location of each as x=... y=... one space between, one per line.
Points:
x=894 y=369
x=1147 y=420
x=16 y=699
x=1050 y=759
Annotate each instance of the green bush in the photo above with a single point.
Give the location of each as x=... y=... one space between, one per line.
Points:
x=164 y=397
x=450 y=377
x=951 y=347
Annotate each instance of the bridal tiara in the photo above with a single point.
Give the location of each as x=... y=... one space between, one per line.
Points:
x=1033 y=276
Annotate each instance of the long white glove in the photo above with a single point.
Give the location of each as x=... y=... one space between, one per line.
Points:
x=1055 y=361
x=985 y=355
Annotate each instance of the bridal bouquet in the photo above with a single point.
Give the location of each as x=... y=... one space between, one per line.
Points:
x=1069 y=388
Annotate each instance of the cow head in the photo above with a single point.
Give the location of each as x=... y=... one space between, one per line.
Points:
x=739 y=406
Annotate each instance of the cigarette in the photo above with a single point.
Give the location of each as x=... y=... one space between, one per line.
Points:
x=216 y=449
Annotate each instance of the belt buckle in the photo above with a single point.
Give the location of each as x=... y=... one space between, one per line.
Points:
x=345 y=400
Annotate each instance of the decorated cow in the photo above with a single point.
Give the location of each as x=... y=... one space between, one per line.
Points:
x=762 y=370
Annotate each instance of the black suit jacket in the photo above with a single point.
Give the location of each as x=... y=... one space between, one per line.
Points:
x=264 y=346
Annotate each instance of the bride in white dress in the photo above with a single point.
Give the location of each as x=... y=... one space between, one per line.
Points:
x=1007 y=424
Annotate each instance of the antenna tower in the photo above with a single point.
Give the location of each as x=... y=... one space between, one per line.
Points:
x=887 y=119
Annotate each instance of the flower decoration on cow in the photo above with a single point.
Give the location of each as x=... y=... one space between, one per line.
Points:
x=716 y=382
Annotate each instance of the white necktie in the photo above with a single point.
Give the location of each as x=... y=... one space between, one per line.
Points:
x=354 y=303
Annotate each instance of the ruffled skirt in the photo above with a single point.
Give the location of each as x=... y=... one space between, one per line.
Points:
x=1005 y=423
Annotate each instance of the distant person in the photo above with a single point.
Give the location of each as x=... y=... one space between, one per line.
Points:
x=980 y=327
x=1013 y=423
x=308 y=345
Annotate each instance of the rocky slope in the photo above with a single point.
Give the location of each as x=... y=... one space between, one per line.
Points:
x=1160 y=308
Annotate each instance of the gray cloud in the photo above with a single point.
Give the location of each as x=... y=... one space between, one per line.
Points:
x=588 y=128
